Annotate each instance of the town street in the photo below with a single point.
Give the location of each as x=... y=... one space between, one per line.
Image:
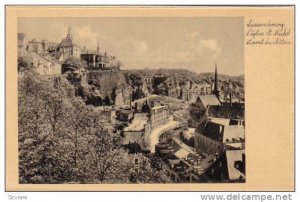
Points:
x=154 y=135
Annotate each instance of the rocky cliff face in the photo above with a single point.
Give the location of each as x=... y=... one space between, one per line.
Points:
x=101 y=87
x=106 y=80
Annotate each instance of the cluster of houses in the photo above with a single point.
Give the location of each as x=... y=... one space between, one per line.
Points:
x=214 y=151
x=80 y=66
x=189 y=91
x=136 y=121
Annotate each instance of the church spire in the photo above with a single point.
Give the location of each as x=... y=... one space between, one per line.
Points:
x=216 y=91
x=216 y=77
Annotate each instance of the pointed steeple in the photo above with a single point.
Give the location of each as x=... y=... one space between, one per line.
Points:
x=216 y=77
x=216 y=90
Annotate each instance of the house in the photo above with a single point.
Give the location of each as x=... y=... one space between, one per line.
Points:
x=125 y=115
x=198 y=89
x=229 y=167
x=214 y=137
x=35 y=47
x=232 y=114
x=203 y=101
x=42 y=47
x=159 y=115
x=43 y=65
x=110 y=114
x=226 y=111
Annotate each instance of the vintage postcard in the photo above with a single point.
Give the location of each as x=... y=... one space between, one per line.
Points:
x=150 y=98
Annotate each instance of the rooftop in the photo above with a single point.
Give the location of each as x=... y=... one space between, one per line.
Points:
x=66 y=42
x=219 y=132
x=234 y=112
x=220 y=121
x=209 y=100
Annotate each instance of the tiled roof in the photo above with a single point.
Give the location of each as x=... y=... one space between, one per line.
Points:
x=226 y=111
x=209 y=100
x=57 y=54
x=233 y=133
x=66 y=42
x=222 y=133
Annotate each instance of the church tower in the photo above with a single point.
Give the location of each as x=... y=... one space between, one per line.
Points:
x=216 y=90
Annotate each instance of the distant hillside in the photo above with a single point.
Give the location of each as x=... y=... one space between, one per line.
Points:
x=221 y=76
x=183 y=74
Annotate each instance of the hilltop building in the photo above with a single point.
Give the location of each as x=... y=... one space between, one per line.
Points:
x=67 y=48
x=43 y=65
x=41 y=47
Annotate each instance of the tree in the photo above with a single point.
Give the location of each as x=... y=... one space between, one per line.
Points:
x=147 y=172
x=62 y=140
x=22 y=65
x=38 y=156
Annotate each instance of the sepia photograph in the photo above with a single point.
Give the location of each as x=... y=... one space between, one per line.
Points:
x=121 y=100
x=149 y=99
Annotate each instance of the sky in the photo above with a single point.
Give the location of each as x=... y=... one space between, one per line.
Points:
x=193 y=43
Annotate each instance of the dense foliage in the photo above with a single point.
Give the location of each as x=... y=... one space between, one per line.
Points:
x=63 y=140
